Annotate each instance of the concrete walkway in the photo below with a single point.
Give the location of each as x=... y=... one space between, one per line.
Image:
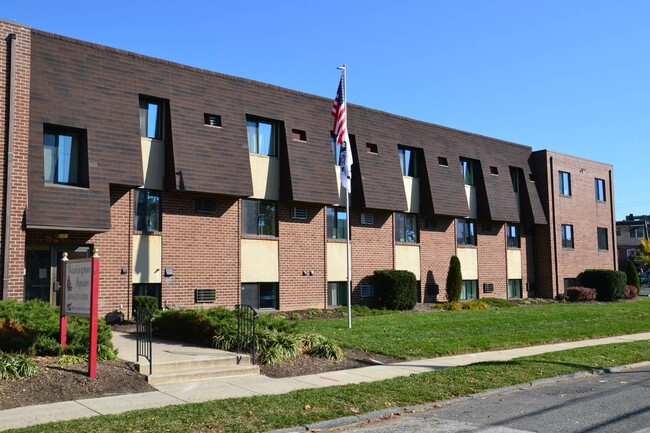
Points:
x=247 y=386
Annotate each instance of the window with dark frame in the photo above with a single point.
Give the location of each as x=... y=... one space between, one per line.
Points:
x=513 y=235
x=567 y=235
x=514 y=176
x=337 y=294
x=602 y=238
x=298 y=135
x=262 y=296
x=146 y=214
x=259 y=218
x=565 y=183
x=467 y=166
x=406 y=227
x=494 y=171
x=212 y=119
x=599 y=185
x=514 y=288
x=465 y=231
x=469 y=290
x=443 y=161
x=636 y=232
x=148 y=289
x=408 y=161
x=65 y=156
x=372 y=148
x=262 y=137
x=151 y=118
x=337 y=226
x=206 y=205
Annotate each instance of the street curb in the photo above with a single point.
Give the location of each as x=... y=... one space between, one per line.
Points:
x=351 y=420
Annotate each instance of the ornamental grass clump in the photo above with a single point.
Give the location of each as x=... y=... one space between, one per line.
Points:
x=15 y=365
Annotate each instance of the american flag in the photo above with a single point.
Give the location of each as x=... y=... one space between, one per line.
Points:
x=340 y=115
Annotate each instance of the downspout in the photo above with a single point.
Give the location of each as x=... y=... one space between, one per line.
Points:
x=11 y=39
x=554 y=228
x=613 y=221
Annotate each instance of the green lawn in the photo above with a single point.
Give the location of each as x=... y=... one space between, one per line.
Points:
x=255 y=414
x=407 y=335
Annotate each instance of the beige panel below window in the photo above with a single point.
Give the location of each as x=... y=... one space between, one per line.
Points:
x=265 y=171
x=407 y=258
x=259 y=261
x=470 y=192
x=153 y=162
x=337 y=261
x=468 y=262
x=412 y=190
x=514 y=264
x=147 y=259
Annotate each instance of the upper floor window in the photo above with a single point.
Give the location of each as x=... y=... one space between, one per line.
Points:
x=151 y=119
x=262 y=137
x=565 y=183
x=637 y=232
x=65 y=156
x=602 y=238
x=406 y=227
x=146 y=215
x=514 y=176
x=512 y=233
x=600 y=189
x=567 y=236
x=337 y=225
x=259 y=218
x=467 y=166
x=465 y=232
x=407 y=161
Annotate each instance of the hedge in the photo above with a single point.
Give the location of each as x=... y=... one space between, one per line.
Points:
x=397 y=290
x=609 y=285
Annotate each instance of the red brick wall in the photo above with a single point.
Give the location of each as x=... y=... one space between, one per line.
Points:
x=436 y=248
x=20 y=149
x=492 y=260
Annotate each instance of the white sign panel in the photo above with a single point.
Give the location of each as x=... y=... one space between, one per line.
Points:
x=77 y=287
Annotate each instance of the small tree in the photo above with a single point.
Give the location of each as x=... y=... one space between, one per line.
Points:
x=643 y=253
x=632 y=275
x=454 y=280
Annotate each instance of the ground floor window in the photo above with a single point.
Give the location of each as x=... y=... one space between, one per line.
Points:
x=514 y=288
x=469 y=290
x=260 y=295
x=337 y=294
x=148 y=289
x=569 y=282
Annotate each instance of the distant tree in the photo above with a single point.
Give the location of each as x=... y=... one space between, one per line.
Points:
x=632 y=275
x=643 y=253
x=454 y=280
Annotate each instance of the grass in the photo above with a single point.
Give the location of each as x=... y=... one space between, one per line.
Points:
x=254 y=414
x=406 y=335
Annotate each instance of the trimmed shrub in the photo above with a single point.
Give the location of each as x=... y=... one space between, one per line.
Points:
x=150 y=302
x=449 y=306
x=193 y=326
x=498 y=303
x=631 y=292
x=580 y=294
x=454 y=280
x=397 y=290
x=609 y=285
x=475 y=304
x=632 y=275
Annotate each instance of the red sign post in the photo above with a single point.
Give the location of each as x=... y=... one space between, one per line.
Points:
x=79 y=294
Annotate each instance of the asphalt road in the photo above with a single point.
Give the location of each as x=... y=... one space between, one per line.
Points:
x=615 y=402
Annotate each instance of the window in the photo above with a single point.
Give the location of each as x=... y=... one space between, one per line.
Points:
x=406 y=227
x=337 y=294
x=600 y=189
x=408 y=161
x=512 y=233
x=514 y=288
x=151 y=119
x=146 y=215
x=468 y=171
x=298 y=213
x=514 y=176
x=602 y=238
x=206 y=205
x=262 y=137
x=469 y=290
x=148 y=289
x=443 y=161
x=431 y=223
x=486 y=227
x=565 y=183
x=336 y=223
x=494 y=170
x=212 y=119
x=567 y=236
x=367 y=219
x=636 y=232
x=569 y=282
x=65 y=156
x=260 y=295
x=372 y=148
x=298 y=135
x=465 y=232
x=259 y=218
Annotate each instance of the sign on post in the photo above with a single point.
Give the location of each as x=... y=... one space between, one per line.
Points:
x=79 y=292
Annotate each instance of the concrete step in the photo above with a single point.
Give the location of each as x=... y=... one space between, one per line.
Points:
x=202 y=374
x=212 y=362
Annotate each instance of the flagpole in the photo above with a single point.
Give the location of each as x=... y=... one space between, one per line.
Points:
x=347 y=209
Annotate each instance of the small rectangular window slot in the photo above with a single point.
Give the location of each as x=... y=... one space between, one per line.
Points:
x=443 y=161
x=367 y=219
x=206 y=205
x=372 y=148
x=367 y=290
x=494 y=171
x=431 y=223
x=212 y=120
x=298 y=213
x=205 y=296
x=298 y=135
x=531 y=177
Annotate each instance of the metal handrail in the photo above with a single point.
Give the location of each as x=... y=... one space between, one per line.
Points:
x=246 y=329
x=144 y=319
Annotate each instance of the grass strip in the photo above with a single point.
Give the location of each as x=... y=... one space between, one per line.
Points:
x=427 y=335
x=262 y=413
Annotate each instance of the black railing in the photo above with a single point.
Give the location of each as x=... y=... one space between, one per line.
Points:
x=246 y=324
x=144 y=318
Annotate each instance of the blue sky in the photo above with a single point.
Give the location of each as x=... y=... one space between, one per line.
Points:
x=569 y=76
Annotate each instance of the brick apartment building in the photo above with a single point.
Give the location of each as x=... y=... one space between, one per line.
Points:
x=204 y=189
x=629 y=233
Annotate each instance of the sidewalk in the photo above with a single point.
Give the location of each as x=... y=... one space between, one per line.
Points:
x=247 y=386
